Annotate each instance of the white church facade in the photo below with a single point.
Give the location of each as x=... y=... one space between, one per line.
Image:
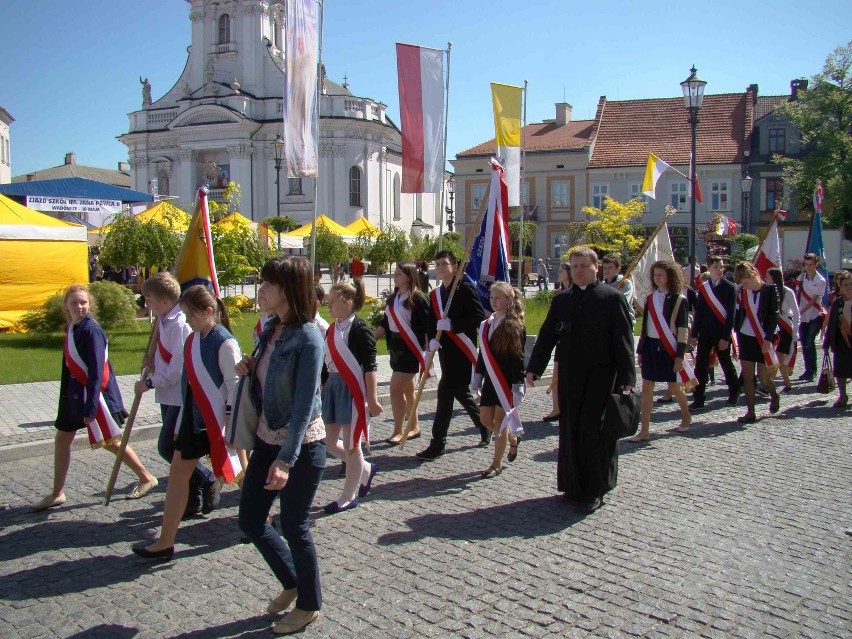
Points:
x=220 y=119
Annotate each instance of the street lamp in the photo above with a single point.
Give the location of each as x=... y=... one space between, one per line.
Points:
x=451 y=191
x=693 y=96
x=278 y=149
x=745 y=184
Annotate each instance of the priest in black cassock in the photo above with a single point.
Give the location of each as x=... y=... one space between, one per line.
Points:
x=591 y=328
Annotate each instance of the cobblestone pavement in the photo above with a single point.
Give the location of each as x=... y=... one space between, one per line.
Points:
x=723 y=532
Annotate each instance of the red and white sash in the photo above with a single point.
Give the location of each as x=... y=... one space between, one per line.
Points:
x=407 y=333
x=770 y=357
x=808 y=299
x=713 y=301
x=161 y=348
x=788 y=360
x=461 y=340
x=261 y=322
x=103 y=430
x=686 y=375
x=512 y=420
x=211 y=404
x=353 y=377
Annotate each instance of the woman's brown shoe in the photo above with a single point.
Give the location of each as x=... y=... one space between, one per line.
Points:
x=294 y=621
x=282 y=601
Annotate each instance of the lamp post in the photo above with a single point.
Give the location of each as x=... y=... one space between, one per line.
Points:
x=278 y=149
x=693 y=96
x=451 y=191
x=745 y=184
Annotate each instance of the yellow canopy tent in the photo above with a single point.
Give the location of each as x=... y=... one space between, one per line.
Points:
x=236 y=221
x=363 y=224
x=164 y=213
x=324 y=222
x=39 y=256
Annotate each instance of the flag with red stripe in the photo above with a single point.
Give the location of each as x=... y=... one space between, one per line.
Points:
x=769 y=253
x=420 y=75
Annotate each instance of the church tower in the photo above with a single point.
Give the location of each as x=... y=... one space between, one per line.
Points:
x=219 y=120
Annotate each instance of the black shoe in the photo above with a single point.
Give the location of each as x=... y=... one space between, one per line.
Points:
x=774 y=403
x=807 y=377
x=665 y=400
x=748 y=418
x=550 y=418
x=761 y=392
x=159 y=555
x=193 y=507
x=734 y=397
x=697 y=405
x=591 y=506
x=210 y=496
x=433 y=451
x=484 y=439
x=342 y=471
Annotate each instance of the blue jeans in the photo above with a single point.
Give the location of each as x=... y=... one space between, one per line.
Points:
x=202 y=476
x=295 y=563
x=808 y=332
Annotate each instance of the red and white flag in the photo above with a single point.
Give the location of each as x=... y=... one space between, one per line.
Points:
x=769 y=253
x=698 y=197
x=725 y=226
x=420 y=73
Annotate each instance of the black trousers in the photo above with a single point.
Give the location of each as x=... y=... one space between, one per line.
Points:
x=702 y=361
x=448 y=392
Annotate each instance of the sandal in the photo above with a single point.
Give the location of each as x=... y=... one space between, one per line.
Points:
x=513 y=450
x=490 y=472
x=842 y=402
x=638 y=439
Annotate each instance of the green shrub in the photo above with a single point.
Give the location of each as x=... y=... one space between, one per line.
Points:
x=115 y=305
x=545 y=296
x=47 y=318
x=376 y=311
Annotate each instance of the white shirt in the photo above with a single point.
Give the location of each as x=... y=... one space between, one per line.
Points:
x=166 y=377
x=495 y=322
x=815 y=288
x=790 y=311
x=402 y=313
x=746 y=328
x=659 y=300
x=341 y=332
x=319 y=320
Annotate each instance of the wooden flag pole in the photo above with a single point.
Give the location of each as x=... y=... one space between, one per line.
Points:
x=125 y=437
x=666 y=215
x=412 y=415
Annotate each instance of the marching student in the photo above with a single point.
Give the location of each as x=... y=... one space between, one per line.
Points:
x=162 y=294
x=88 y=397
x=210 y=355
x=711 y=330
x=839 y=335
x=662 y=345
x=811 y=287
x=788 y=326
x=612 y=276
x=349 y=394
x=457 y=352
x=756 y=322
x=500 y=372
x=404 y=326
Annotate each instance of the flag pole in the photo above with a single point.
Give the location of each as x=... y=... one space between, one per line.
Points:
x=441 y=211
x=667 y=213
x=412 y=414
x=521 y=187
x=125 y=436
x=316 y=137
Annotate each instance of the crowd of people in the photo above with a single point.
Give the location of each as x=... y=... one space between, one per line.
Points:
x=268 y=420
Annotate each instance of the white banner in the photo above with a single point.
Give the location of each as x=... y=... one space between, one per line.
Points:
x=94 y=212
x=660 y=249
x=300 y=88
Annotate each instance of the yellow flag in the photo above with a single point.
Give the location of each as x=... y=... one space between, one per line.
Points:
x=507 y=100
x=655 y=168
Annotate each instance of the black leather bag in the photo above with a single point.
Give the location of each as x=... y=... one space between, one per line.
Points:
x=621 y=418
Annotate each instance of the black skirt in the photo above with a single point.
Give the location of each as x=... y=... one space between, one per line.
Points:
x=657 y=366
x=785 y=342
x=68 y=426
x=842 y=358
x=402 y=360
x=750 y=349
x=191 y=444
x=488 y=395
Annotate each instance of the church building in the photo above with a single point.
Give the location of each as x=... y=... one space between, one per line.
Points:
x=220 y=119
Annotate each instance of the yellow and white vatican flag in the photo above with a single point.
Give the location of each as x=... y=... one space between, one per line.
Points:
x=655 y=168
x=659 y=248
x=507 y=100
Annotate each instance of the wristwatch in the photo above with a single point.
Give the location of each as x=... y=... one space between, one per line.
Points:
x=149 y=383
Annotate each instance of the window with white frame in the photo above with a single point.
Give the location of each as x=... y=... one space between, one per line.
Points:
x=719 y=196
x=635 y=190
x=559 y=194
x=355 y=186
x=558 y=245
x=599 y=192
x=224 y=29
x=477 y=193
x=679 y=195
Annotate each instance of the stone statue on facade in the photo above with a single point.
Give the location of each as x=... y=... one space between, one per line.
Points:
x=146 y=91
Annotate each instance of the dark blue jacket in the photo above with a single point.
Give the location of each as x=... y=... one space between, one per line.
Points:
x=706 y=325
x=91 y=342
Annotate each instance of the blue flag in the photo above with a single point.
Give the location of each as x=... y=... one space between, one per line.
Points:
x=815 y=243
x=489 y=255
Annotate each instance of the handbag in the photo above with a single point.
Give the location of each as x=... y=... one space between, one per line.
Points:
x=826 y=382
x=244 y=417
x=621 y=416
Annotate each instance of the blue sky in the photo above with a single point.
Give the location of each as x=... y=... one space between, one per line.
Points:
x=71 y=69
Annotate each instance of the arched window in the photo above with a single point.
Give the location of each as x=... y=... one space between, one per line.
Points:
x=355 y=186
x=225 y=29
x=397 y=212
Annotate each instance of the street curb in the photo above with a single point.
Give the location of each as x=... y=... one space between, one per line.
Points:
x=143 y=432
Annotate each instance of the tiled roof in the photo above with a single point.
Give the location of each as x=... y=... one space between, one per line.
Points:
x=766 y=104
x=631 y=129
x=544 y=136
x=107 y=176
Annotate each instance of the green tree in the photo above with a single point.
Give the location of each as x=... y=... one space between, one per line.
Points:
x=230 y=248
x=391 y=245
x=740 y=246
x=363 y=243
x=331 y=248
x=130 y=242
x=612 y=226
x=281 y=225
x=823 y=115
x=575 y=232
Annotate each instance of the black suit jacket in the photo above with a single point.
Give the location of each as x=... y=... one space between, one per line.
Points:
x=706 y=325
